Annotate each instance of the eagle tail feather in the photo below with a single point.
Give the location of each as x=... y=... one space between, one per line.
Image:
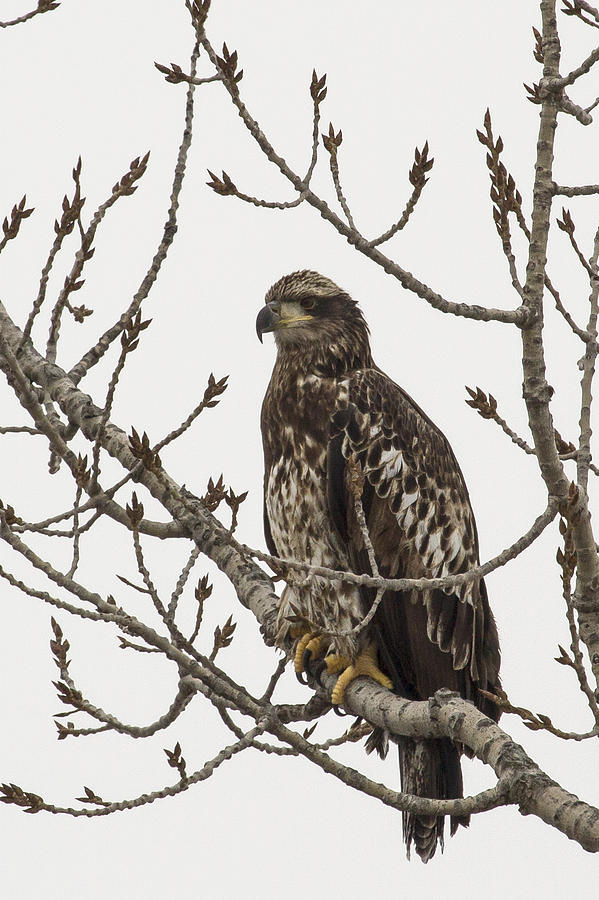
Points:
x=378 y=741
x=429 y=768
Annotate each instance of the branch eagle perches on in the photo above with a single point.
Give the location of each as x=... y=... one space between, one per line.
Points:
x=520 y=781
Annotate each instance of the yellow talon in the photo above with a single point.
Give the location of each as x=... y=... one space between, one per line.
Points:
x=335 y=662
x=365 y=664
x=309 y=642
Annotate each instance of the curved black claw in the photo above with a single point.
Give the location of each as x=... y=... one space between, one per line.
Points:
x=338 y=712
x=307 y=661
x=301 y=678
x=318 y=669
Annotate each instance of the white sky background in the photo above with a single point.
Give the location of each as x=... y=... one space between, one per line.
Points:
x=81 y=80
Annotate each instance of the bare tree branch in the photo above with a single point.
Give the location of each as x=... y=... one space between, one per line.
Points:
x=42 y=7
x=95 y=353
x=479 y=313
x=183 y=784
x=575 y=7
x=536 y=391
x=577 y=191
x=583 y=69
x=583 y=457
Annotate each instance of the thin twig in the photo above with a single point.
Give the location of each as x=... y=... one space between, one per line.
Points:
x=419 y=584
x=582 y=190
x=41 y=295
x=566 y=224
x=145 y=574
x=332 y=146
x=505 y=198
x=76 y=533
x=516 y=316
x=575 y=7
x=225 y=185
x=92 y=503
x=588 y=361
x=96 y=353
x=593 y=105
x=418 y=179
x=213 y=390
x=48 y=598
x=19 y=429
x=537 y=721
x=274 y=680
x=351 y=735
x=182 y=581
x=123 y=188
x=486 y=406
x=582 y=69
x=129 y=343
x=170 y=791
x=579 y=332
x=179 y=704
x=357 y=485
x=401 y=222
x=42 y=7
x=567 y=562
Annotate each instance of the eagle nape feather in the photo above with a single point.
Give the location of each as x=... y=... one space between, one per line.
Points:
x=338 y=434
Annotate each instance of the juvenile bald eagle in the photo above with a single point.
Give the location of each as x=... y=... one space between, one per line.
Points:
x=337 y=434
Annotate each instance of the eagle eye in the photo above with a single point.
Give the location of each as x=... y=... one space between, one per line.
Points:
x=307 y=303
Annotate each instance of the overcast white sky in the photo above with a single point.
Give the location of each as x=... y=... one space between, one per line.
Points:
x=81 y=80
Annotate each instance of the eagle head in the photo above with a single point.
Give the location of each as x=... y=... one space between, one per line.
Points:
x=307 y=310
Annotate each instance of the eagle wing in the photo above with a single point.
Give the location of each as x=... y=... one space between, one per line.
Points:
x=420 y=523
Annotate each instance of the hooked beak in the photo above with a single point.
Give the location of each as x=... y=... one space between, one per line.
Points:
x=268 y=318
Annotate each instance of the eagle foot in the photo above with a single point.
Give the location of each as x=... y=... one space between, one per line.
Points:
x=307 y=648
x=364 y=664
